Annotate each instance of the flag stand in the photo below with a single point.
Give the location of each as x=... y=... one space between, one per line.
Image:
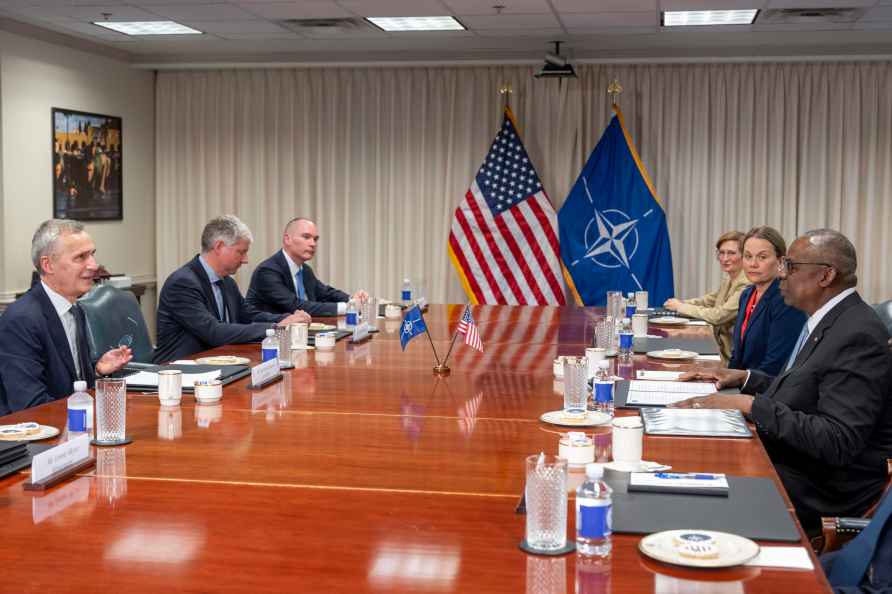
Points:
x=440 y=368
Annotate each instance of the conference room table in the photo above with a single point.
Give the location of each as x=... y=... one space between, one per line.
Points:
x=360 y=471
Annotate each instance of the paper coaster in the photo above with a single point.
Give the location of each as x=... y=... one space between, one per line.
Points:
x=591 y=419
x=118 y=442
x=568 y=548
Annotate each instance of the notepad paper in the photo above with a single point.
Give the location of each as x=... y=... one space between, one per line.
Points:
x=670 y=376
x=661 y=393
x=150 y=379
x=672 y=482
x=697 y=323
x=709 y=357
x=786 y=557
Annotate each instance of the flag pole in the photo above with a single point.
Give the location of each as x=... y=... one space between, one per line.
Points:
x=614 y=89
x=454 y=335
x=440 y=369
x=506 y=90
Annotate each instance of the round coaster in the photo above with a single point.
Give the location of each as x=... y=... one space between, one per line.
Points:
x=569 y=548
x=119 y=442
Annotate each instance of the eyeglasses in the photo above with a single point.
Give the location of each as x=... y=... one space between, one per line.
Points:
x=788 y=266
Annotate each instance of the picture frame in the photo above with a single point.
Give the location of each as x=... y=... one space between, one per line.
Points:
x=87 y=167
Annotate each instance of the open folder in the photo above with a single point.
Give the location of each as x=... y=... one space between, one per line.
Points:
x=145 y=377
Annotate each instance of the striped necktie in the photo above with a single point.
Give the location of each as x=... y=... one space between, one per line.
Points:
x=803 y=336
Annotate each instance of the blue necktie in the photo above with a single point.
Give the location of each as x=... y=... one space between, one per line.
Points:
x=799 y=344
x=301 y=292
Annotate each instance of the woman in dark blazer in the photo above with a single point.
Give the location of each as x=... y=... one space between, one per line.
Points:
x=766 y=329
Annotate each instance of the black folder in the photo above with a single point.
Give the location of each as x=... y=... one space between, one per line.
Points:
x=701 y=346
x=754 y=509
x=228 y=373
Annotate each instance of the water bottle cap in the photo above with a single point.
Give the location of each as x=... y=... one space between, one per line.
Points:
x=80 y=386
x=405 y=280
x=594 y=471
x=603 y=364
x=270 y=332
x=627 y=321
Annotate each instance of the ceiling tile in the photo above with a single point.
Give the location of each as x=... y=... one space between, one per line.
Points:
x=393 y=8
x=824 y=26
x=202 y=12
x=511 y=21
x=249 y=36
x=543 y=33
x=237 y=27
x=475 y=7
x=819 y=3
x=296 y=10
x=610 y=19
x=604 y=5
x=87 y=13
x=878 y=13
x=613 y=31
x=873 y=26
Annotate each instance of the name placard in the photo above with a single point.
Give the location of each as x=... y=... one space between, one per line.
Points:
x=60 y=457
x=265 y=373
x=360 y=332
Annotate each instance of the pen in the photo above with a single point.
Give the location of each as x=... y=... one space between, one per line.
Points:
x=682 y=475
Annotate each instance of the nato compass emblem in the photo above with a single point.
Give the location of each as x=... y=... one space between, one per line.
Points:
x=408 y=327
x=611 y=238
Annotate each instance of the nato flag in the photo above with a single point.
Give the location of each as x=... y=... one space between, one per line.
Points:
x=413 y=325
x=613 y=231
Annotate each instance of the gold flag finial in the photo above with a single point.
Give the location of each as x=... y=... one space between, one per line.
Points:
x=614 y=89
x=506 y=90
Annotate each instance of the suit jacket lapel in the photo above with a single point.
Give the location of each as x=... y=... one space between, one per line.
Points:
x=763 y=303
x=205 y=283
x=57 y=331
x=309 y=283
x=826 y=323
x=282 y=264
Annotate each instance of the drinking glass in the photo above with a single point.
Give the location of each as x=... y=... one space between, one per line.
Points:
x=111 y=410
x=604 y=333
x=546 y=502
x=284 y=341
x=575 y=390
x=615 y=308
x=641 y=299
x=299 y=335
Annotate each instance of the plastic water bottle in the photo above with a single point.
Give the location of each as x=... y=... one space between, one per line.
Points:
x=594 y=514
x=80 y=410
x=625 y=340
x=631 y=306
x=269 y=348
x=406 y=294
x=602 y=389
x=352 y=313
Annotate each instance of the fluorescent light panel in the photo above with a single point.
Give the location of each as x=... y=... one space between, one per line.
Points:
x=693 y=18
x=148 y=27
x=430 y=23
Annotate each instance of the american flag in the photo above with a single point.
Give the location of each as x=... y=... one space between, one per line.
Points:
x=468 y=327
x=503 y=241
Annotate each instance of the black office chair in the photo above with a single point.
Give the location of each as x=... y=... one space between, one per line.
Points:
x=884 y=310
x=114 y=318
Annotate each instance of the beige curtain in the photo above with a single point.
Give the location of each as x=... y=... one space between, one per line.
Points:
x=380 y=157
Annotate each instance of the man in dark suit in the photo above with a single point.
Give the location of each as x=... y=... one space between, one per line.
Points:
x=43 y=344
x=201 y=306
x=285 y=282
x=826 y=419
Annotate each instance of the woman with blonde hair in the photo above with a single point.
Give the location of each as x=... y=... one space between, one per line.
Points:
x=719 y=308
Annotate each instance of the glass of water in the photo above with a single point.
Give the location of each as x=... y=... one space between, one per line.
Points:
x=111 y=411
x=615 y=304
x=575 y=387
x=604 y=332
x=546 y=502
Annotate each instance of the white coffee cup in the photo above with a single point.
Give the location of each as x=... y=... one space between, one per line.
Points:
x=170 y=387
x=592 y=356
x=325 y=341
x=299 y=334
x=392 y=311
x=628 y=436
x=639 y=325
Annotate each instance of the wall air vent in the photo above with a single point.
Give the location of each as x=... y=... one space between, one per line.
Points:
x=810 y=16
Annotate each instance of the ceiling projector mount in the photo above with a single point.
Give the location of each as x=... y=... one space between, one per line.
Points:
x=556 y=66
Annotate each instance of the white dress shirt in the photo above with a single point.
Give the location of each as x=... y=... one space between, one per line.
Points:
x=294 y=268
x=69 y=324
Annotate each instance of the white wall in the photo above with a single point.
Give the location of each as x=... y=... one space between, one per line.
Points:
x=36 y=76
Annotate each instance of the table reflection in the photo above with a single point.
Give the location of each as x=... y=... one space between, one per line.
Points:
x=592 y=575
x=546 y=575
x=111 y=473
x=416 y=566
x=208 y=414
x=47 y=505
x=170 y=422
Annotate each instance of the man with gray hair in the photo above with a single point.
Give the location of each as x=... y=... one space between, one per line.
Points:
x=826 y=419
x=43 y=342
x=201 y=306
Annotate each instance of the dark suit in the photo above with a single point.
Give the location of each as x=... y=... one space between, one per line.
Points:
x=36 y=365
x=827 y=422
x=188 y=320
x=770 y=335
x=866 y=561
x=272 y=290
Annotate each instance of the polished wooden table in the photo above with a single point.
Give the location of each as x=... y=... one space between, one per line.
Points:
x=360 y=472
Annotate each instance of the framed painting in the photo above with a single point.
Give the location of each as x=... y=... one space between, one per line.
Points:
x=87 y=166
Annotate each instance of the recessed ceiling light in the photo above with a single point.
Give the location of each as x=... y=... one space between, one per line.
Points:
x=148 y=27
x=693 y=18
x=431 y=23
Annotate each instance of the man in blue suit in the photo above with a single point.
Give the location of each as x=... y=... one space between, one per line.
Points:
x=285 y=282
x=826 y=418
x=201 y=306
x=43 y=344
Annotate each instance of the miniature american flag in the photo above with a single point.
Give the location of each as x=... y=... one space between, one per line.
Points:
x=468 y=327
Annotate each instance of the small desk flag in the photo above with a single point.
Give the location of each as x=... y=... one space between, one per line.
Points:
x=413 y=325
x=468 y=327
x=613 y=232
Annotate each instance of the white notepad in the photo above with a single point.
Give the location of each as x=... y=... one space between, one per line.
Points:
x=150 y=379
x=661 y=393
x=646 y=374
